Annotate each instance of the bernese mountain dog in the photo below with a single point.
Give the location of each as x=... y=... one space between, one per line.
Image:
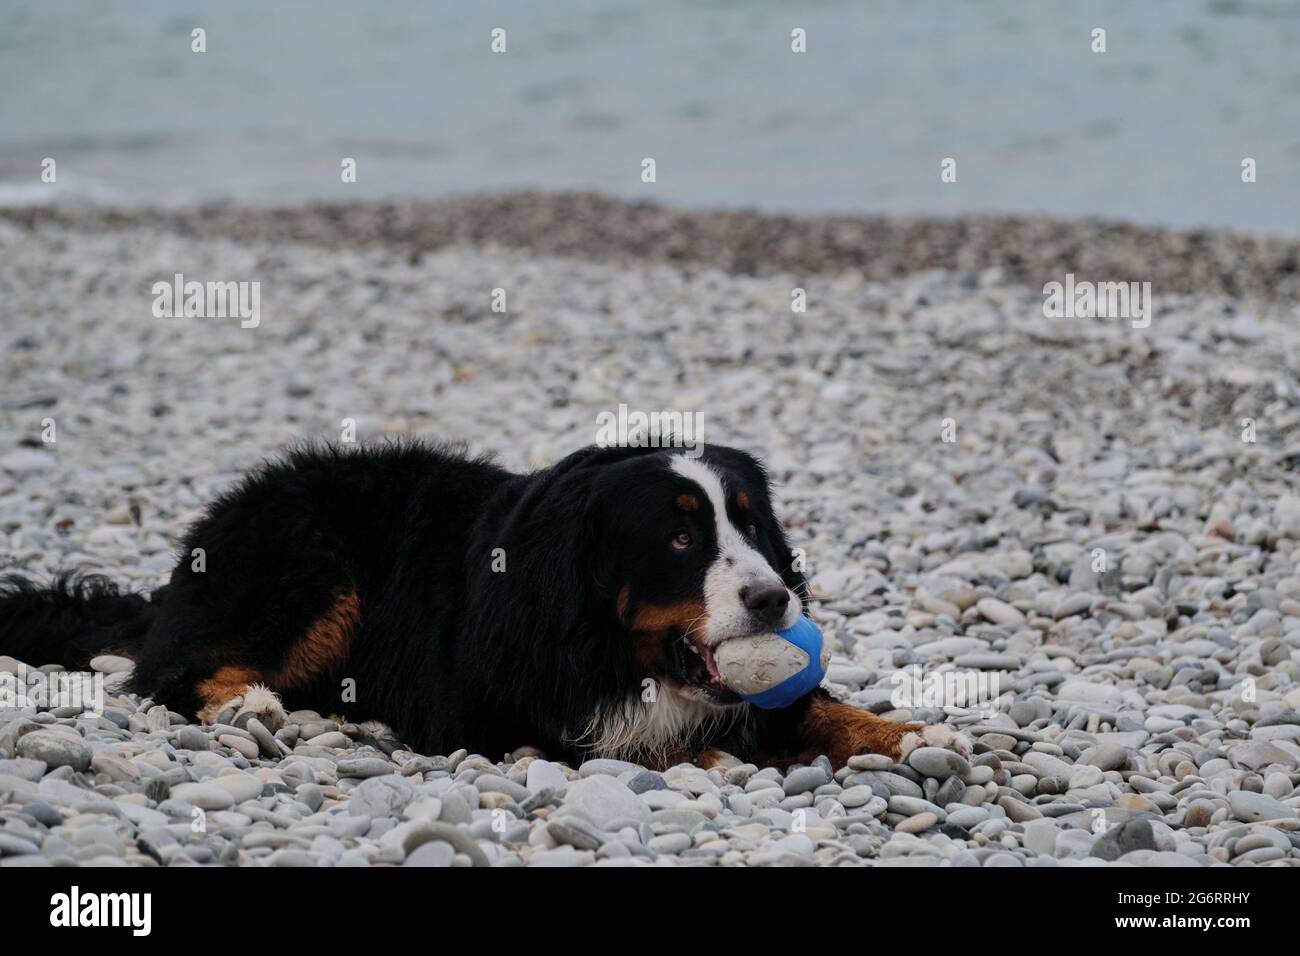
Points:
x=573 y=609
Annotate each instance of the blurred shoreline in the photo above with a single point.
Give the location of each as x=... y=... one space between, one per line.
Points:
x=1153 y=130
x=1023 y=249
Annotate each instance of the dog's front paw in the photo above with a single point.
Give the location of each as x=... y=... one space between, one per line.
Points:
x=841 y=731
x=262 y=703
x=933 y=735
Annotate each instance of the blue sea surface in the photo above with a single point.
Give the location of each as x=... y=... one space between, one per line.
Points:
x=1154 y=130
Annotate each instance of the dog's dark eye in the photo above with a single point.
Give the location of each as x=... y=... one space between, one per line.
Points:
x=682 y=540
x=752 y=531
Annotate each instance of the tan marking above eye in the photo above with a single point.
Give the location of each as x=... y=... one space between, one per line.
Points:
x=688 y=503
x=742 y=500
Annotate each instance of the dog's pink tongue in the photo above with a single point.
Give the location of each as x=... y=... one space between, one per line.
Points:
x=712 y=665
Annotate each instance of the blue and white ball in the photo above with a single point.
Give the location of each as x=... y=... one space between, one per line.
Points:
x=774 y=670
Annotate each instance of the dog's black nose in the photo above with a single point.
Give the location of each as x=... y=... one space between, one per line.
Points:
x=767 y=602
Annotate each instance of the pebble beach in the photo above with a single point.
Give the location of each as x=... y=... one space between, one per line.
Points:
x=1099 y=521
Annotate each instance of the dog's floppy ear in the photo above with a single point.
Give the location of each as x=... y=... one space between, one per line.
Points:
x=546 y=610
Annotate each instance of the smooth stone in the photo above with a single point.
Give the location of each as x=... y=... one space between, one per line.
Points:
x=1088 y=692
x=245 y=748
x=678 y=817
x=544 y=775
x=1107 y=757
x=898 y=785
x=998 y=741
x=604 y=798
x=417 y=833
x=365 y=767
x=1278 y=786
x=1074 y=604
x=1045 y=765
x=1258 y=754
x=311 y=729
x=803 y=779
x=572 y=833
x=870 y=762
x=1041 y=836
x=311 y=796
x=796 y=844
x=190 y=737
x=671 y=843
x=266 y=742
x=602 y=765
x=938 y=763
x=968 y=817
x=999 y=612
x=1135 y=834
x=855 y=797
x=455 y=809
x=918 y=823
x=381 y=796
x=434 y=853
x=1261 y=839
x=1085 y=775
x=1253 y=807
x=115 y=768
x=1074 y=844
x=143 y=816
x=332 y=739
x=111 y=664
x=1019 y=811
x=240 y=786
x=646 y=781
x=31 y=770
x=1136 y=803
x=1199 y=814
x=911 y=806
x=204 y=796
x=491 y=782
x=12 y=845
x=55 y=750
x=43 y=813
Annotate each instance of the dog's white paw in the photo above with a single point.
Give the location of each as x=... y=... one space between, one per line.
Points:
x=934 y=735
x=263 y=703
x=257 y=701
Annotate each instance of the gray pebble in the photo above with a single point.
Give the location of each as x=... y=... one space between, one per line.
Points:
x=365 y=767
x=55 y=749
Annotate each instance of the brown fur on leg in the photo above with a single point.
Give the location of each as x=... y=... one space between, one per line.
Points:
x=840 y=731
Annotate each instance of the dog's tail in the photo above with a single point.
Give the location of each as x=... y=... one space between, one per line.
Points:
x=72 y=620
